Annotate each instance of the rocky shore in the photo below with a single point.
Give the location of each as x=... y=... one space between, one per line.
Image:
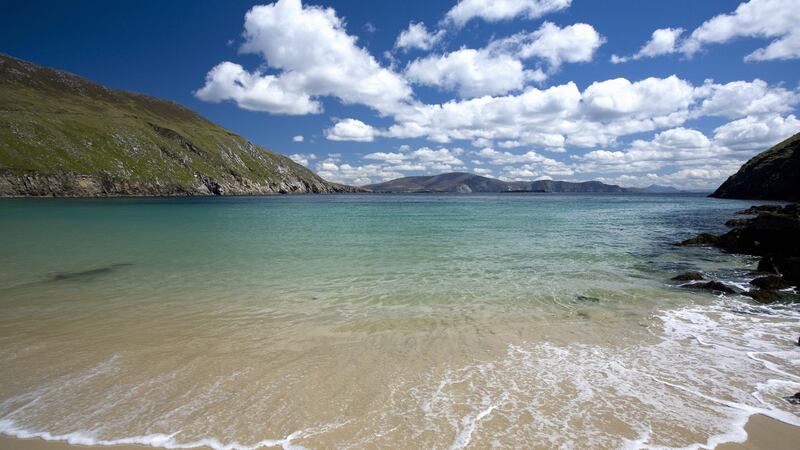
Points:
x=773 y=233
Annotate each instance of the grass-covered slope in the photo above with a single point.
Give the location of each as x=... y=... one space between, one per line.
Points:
x=63 y=135
x=770 y=175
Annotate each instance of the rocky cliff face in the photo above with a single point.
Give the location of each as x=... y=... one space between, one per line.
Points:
x=771 y=175
x=63 y=135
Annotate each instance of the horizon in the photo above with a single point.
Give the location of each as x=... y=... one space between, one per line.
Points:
x=542 y=90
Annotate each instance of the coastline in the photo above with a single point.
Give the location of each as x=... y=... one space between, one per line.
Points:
x=763 y=433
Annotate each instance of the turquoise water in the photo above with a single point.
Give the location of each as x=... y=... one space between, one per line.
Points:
x=370 y=320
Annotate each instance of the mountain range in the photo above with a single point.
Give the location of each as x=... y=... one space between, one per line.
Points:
x=462 y=182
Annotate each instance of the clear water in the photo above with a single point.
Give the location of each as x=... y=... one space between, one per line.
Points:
x=383 y=321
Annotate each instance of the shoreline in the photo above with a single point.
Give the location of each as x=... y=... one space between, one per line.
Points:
x=763 y=433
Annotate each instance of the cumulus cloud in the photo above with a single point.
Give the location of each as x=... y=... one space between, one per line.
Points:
x=753 y=134
x=662 y=42
x=417 y=36
x=382 y=166
x=351 y=130
x=314 y=57
x=303 y=159
x=571 y=44
x=646 y=99
x=498 y=68
x=766 y=19
x=744 y=98
x=298 y=138
x=497 y=10
x=772 y=19
x=255 y=91
x=687 y=157
x=563 y=116
x=472 y=73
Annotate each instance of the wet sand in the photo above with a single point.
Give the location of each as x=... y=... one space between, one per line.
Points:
x=763 y=433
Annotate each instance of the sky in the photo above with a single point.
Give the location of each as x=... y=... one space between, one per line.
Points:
x=676 y=93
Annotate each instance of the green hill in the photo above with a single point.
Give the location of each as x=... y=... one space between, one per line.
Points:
x=770 y=175
x=63 y=135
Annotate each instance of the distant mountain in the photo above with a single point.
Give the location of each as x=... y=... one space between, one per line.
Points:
x=771 y=175
x=656 y=189
x=63 y=135
x=466 y=182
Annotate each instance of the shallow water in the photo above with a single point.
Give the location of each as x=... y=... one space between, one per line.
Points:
x=382 y=321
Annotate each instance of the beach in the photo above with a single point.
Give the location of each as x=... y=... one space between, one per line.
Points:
x=385 y=322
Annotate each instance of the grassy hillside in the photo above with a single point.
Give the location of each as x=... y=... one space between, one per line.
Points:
x=61 y=134
x=770 y=175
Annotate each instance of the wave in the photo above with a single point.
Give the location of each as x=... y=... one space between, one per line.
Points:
x=702 y=372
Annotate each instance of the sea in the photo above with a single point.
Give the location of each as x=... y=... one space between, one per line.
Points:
x=384 y=321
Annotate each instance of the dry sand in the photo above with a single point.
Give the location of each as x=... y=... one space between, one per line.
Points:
x=763 y=433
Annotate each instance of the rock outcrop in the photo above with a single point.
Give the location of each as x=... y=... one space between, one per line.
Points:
x=63 y=135
x=774 y=234
x=771 y=175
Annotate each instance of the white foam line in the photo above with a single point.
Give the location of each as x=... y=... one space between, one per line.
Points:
x=769 y=365
x=470 y=423
x=159 y=440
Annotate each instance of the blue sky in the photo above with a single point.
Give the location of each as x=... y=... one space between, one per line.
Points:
x=629 y=92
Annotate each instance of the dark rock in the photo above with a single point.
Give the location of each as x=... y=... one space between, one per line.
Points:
x=587 y=299
x=753 y=210
x=770 y=233
x=715 y=286
x=793 y=399
x=787 y=266
x=767 y=265
x=770 y=282
x=764 y=295
x=688 y=276
x=736 y=223
x=704 y=239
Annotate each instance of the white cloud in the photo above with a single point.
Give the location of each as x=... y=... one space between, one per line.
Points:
x=555 y=117
x=298 y=138
x=743 y=98
x=351 y=130
x=472 y=73
x=498 y=68
x=497 y=10
x=303 y=159
x=662 y=42
x=255 y=91
x=765 y=19
x=754 y=134
x=390 y=165
x=572 y=44
x=685 y=157
x=774 y=19
x=418 y=36
x=315 y=57
x=645 y=99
